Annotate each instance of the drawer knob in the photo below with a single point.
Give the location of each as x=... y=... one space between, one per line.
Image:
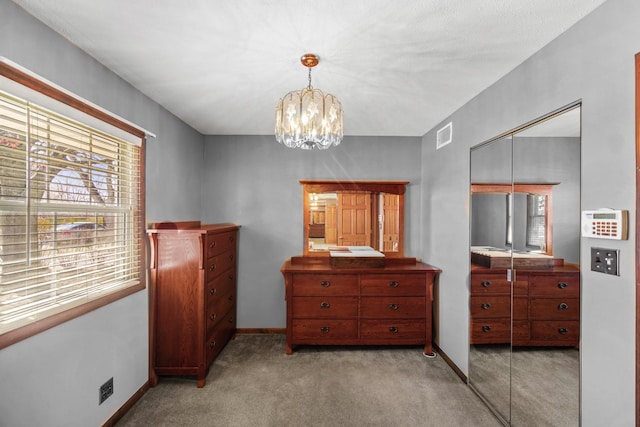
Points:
x=324 y=304
x=393 y=329
x=212 y=267
x=325 y=283
x=394 y=284
x=230 y=297
x=486 y=328
x=486 y=306
x=563 y=331
x=212 y=344
x=324 y=329
x=393 y=306
x=231 y=277
x=213 y=316
x=562 y=307
x=486 y=283
x=212 y=291
x=562 y=285
x=231 y=319
x=212 y=245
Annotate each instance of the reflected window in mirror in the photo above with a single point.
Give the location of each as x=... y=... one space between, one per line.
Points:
x=536 y=222
x=353 y=213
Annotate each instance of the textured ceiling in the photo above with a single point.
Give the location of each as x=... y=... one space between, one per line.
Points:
x=398 y=67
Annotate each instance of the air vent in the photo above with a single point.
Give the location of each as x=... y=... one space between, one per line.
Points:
x=444 y=135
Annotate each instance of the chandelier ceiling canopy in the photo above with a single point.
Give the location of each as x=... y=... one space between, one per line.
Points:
x=309 y=118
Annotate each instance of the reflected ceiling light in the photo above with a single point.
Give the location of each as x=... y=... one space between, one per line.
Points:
x=308 y=118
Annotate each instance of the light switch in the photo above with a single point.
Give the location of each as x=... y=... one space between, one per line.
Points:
x=605 y=260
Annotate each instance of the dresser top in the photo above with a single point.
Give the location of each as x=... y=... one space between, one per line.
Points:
x=190 y=226
x=322 y=265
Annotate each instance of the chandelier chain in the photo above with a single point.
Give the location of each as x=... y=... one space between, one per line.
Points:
x=309 y=87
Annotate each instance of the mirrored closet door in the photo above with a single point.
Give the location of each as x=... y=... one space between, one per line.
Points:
x=525 y=275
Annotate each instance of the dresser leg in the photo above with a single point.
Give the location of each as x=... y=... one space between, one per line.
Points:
x=428 y=351
x=201 y=382
x=288 y=349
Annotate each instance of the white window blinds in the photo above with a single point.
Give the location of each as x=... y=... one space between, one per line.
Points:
x=70 y=211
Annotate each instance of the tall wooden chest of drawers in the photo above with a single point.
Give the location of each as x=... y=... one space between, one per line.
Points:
x=192 y=295
x=389 y=305
x=546 y=307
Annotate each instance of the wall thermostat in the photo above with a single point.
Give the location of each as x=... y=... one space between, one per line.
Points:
x=605 y=224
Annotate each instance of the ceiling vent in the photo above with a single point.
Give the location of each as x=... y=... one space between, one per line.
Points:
x=444 y=135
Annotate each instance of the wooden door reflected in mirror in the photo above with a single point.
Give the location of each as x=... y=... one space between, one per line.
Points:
x=353 y=213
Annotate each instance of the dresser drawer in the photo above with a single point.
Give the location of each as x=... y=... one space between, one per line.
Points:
x=220 y=284
x=559 y=331
x=555 y=308
x=220 y=336
x=393 y=284
x=561 y=286
x=218 y=308
x=392 y=308
x=487 y=306
x=325 y=329
x=391 y=330
x=325 y=307
x=324 y=284
x=490 y=331
x=490 y=284
x=221 y=242
x=219 y=264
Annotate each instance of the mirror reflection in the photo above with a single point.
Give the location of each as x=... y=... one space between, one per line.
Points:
x=348 y=213
x=525 y=273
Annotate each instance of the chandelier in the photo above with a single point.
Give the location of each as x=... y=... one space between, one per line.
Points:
x=309 y=118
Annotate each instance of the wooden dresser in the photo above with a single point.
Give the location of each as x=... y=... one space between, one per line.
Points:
x=192 y=296
x=388 y=305
x=546 y=306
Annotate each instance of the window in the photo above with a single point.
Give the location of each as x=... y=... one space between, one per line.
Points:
x=536 y=226
x=71 y=217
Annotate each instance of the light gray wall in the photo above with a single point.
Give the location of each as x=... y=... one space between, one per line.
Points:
x=255 y=182
x=593 y=62
x=52 y=379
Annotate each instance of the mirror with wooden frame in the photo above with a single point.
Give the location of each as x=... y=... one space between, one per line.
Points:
x=353 y=213
x=494 y=226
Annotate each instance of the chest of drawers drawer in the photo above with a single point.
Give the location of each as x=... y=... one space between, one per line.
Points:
x=325 y=307
x=555 y=308
x=488 y=331
x=218 y=307
x=219 y=336
x=487 y=306
x=490 y=283
x=320 y=330
x=324 y=284
x=392 y=307
x=561 y=286
x=221 y=242
x=219 y=284
x=392 y=330
x=563 y=331
x=219 y=264
x=392 y=284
